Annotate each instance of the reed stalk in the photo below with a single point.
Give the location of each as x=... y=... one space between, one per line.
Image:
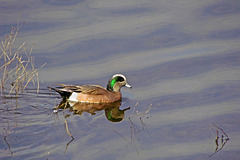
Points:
x=17 y=68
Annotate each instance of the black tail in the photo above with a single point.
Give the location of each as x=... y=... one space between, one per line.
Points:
x=63 y=94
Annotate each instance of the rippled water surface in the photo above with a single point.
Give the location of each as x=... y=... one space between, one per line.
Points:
x=182 y=59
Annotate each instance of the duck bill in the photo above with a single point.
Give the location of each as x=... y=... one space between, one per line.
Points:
x=128 y=85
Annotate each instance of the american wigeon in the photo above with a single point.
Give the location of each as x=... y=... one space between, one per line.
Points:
x=94 y=93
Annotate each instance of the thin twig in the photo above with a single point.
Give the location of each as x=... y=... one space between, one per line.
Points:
x=120 y=135
x=223 y=141
x=221 y=130
x=69 y=135
x=68 y=145
x=9 y=147
x=216 y=151
x=68 y=130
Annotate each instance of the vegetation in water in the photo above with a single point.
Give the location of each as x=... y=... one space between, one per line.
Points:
x=17 y=67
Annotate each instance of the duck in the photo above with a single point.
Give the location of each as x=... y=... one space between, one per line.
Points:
x=94 y=93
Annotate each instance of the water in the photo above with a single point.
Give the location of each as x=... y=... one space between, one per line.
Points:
x=181 y=58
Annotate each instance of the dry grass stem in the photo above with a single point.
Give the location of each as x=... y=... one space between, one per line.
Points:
x=18 y=68
x=69 y=135
x=68 y=130
x=6 y=132
x=223 y=140
x=135 y=128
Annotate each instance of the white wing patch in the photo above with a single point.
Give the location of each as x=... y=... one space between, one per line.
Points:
x=73 y=97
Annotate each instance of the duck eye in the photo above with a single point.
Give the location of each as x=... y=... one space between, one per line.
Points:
x=120 y=79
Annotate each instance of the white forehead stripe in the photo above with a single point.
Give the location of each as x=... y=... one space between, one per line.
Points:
x=120 y=75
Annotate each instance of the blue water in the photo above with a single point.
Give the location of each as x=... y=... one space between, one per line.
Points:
x=181 y=58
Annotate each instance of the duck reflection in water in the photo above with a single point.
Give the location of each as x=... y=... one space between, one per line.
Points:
x=92 y=98
x=112 y=110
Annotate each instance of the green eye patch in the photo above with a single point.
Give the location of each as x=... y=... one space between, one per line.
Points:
x=113 y=82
